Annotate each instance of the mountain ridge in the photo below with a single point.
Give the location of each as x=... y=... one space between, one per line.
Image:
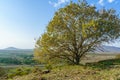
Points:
x=14 y=48
x=11 y=48
x=108 y=49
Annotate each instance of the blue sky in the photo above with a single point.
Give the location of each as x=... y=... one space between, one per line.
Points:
x=23 y=21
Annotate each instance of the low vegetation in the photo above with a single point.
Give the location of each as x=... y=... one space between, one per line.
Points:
x=10 y=73
x=83 y=73
x=102 y=70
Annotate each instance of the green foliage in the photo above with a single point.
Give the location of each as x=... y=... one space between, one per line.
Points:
x=33 y=72
x=22 y=71
x=17 y=57
x=48 y=67
x=28 y=59
x=76 y=29
x=10 y=61
x=19 y=72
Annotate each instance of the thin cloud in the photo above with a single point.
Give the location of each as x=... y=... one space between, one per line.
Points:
x=101 y=2
x=110 y=1
x=58 y=3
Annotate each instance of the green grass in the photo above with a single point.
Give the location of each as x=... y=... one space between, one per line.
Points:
x=74 y=73
x=102 y=70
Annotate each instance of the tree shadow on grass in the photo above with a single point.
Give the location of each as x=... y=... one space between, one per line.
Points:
x=104 y=64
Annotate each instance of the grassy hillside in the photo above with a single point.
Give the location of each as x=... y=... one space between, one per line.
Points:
x=71 y=72
x=108 y=69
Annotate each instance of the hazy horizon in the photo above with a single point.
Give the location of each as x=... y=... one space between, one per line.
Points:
x=23 y=21
x=14 y=47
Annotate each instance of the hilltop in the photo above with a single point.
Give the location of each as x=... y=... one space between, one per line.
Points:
x=11 y=48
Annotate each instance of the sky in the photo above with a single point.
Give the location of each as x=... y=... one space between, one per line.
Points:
x=22 y=22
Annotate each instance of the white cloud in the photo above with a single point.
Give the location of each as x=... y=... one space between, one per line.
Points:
x=92 y=4
x=110 y=1
x=58 y=3
x=101 y=2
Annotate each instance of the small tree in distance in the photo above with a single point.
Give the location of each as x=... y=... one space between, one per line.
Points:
x=76 y=29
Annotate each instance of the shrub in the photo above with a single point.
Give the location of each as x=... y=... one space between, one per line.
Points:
x=2 y=72
x=19 y=72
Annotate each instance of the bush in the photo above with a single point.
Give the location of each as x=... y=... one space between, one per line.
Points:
x=19 y=72
x=2 y=72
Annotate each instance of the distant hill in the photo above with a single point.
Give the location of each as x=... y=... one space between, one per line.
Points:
x=109 y=49
x=11 y=48
x=17 y=49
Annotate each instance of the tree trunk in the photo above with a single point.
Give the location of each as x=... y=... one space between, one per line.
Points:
x=77 y=60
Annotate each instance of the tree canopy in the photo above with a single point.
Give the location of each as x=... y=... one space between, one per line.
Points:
x=76 y=29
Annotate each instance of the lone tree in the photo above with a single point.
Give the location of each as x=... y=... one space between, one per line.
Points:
x=76 y=29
